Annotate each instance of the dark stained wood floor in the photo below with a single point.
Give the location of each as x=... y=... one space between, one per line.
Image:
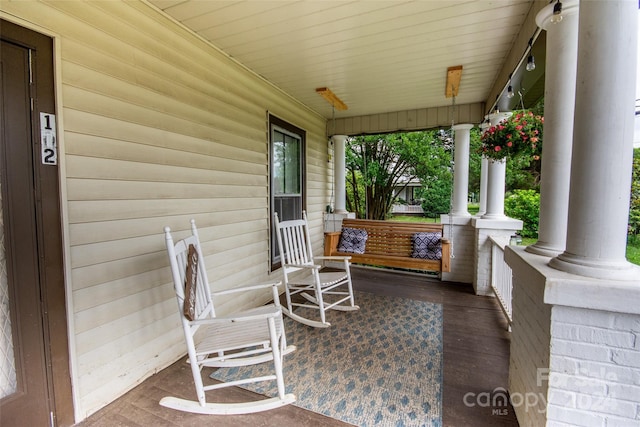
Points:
x=476 y=360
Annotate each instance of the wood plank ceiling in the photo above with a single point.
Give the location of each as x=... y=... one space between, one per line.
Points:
x=376 y=56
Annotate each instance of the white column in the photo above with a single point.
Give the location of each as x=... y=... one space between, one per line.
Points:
x=339 y=173
x=559 y=103
x=496 y=178
x=603 y=142
x=461 y=170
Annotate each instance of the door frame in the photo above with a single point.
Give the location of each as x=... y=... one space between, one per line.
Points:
x=48 y=182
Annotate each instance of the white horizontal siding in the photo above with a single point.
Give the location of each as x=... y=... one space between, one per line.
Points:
x=159 y=128
x=410 y=120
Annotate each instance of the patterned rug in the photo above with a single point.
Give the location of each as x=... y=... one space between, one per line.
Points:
x=378 y=366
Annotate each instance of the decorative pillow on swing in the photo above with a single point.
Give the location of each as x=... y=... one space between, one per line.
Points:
x=353 y=240
x=427 y=245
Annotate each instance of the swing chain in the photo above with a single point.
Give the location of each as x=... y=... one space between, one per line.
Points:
x=453 y=139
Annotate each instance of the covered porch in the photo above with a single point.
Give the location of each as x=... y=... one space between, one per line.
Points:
x=475 y=370
x=163 y=118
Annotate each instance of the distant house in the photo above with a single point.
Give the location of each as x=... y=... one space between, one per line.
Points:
x=407 y=202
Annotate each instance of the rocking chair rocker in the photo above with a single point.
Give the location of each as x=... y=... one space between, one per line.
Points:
x=314 y=286
x=247 y=338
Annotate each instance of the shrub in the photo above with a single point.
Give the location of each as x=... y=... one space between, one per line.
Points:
x=436 y=199
x=634 y=208
x=525 y=206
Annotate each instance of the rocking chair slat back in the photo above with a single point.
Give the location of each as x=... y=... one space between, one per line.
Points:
x=321 y=291
x=244 y=338
x=294 y=238
x=204 y=307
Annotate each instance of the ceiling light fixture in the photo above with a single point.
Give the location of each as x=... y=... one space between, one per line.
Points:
x=557 y=12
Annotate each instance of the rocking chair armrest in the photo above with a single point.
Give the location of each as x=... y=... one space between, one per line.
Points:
x=333 y=257
x=308 y=266
x=263 y=312
x=247 y=288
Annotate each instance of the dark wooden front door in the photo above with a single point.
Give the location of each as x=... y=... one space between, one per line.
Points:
x=34 y=358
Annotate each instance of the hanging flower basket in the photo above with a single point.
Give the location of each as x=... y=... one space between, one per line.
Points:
x=520 y=134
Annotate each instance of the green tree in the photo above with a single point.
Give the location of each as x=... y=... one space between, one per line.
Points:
x=437 y=178
x=355 y=191
x=377 y=164
x=475 y=161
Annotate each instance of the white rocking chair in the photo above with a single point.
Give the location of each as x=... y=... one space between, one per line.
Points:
x=314 y=286
x=246 y=338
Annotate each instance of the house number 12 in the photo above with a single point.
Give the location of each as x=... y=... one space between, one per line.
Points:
x=48 y=140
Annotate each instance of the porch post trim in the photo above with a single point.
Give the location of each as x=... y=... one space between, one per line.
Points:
x=560 y=89
x=461 y=170
x=603 y=131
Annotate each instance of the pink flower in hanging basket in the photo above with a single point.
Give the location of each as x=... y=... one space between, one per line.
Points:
x=519 y=135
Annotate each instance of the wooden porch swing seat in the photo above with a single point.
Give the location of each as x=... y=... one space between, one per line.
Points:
x=320 y=290
x=245 y=338
x=389 y=244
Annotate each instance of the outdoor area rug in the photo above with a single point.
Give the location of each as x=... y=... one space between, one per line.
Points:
x=378 y=366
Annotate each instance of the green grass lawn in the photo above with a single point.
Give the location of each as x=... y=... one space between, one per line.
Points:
x=411 y=218
x=633 y=249
x=473 y=208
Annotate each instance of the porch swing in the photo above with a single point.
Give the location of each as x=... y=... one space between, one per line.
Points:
x=413 y=246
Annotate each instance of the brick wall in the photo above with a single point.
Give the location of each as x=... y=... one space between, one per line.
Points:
x=529 y=356
x=595 y=368
x=463 y=243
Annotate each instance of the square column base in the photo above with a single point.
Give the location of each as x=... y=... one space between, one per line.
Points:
x=461 y=234
x=333 y=221
x=575 y=346
x=484 y=228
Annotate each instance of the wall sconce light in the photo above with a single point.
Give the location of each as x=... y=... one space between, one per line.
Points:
x=557 y=12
